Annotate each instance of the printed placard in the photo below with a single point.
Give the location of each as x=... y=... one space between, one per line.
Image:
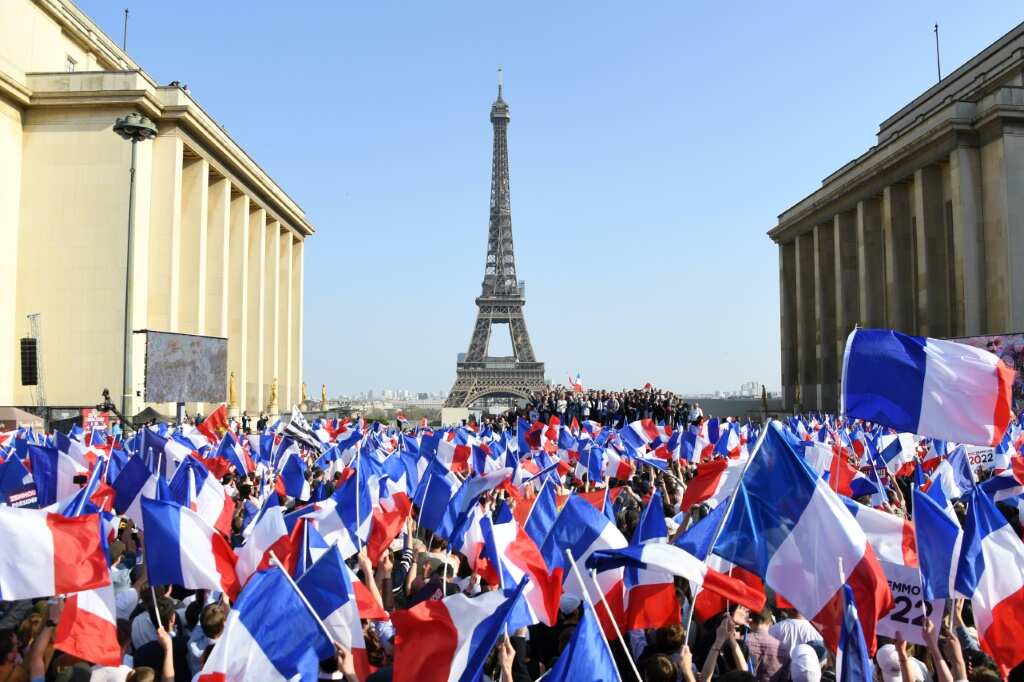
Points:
x=910 y=608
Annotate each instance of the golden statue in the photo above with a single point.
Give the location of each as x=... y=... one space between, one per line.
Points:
x=232 y=391
x=305 y=396
x=323 y=397
x=272 y=403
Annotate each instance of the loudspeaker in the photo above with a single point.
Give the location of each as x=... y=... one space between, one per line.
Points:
x=29 y=366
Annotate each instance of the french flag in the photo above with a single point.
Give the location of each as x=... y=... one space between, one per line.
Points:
x=328 y=589
x=267 y=533
x=640 y=433
x=651 y=600
x=54 y=474
x=231 y=450
x=853 y=664
x=389 y=516
x=182 y=549
x=935 y=388
x=515 y=557
x=449 y=640
x=940 y=538
x=46 y=554
x=990 y=574
x=1006 y=484
x=270 y=635
x=583 y=530
x=193 y=486
x=134 y=484
x=714 y=483
x=897 y=451
x=88 y=627
x=892 y=537
x=788 y=527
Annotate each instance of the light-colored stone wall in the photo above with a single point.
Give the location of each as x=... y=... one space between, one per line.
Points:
x=217 y=245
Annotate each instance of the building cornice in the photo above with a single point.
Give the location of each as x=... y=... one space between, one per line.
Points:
x=167 y=106
x=80 y=28
x=14 y=91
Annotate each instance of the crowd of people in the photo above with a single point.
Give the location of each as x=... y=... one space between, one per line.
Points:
x=167 y=632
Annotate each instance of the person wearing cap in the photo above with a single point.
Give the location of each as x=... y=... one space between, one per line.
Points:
x=893 y=660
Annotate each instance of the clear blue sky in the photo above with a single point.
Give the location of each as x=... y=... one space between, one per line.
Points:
x=652 y=145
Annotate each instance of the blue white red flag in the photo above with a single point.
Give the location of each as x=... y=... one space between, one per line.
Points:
x=269 y=634
x=935 y=388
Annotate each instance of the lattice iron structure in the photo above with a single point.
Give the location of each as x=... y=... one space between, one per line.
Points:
x=501 y=300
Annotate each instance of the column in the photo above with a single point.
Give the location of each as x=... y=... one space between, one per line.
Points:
x=870 y=262
x=256 y=343
x=788 y=321
x=192 y=260
x=968 y=241
x=238 y=297
x=1014 y=248
x=825 y=297
x=289 y=393
x=295 y=330
x=807 y=323
x=847 y=259
x=218 y=248
x=932 y=263
x=899 y=260
x=165 y=233
x=271 y=304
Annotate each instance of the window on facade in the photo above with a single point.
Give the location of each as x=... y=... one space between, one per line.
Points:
x=70 y=64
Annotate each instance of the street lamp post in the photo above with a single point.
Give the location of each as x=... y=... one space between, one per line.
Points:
x=135 y=128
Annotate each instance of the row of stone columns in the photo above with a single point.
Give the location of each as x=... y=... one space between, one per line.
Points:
x=222 y=265
x=889 y=260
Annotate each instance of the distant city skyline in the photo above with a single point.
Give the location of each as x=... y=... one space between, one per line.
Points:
x=651 y=149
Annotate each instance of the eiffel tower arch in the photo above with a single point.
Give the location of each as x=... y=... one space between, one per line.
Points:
x=479 y=375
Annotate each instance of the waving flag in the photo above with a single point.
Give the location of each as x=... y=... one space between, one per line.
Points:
x=329 y=590
x=292 y=481
x=231 y=450
x=515 y=557
x=936 y=388
x=586 y=657
x=650 y=593
x=1006 y=484
x=46 y=554
x=991 y=575
x=135 y=483
x=269 y=635
x=449 y=640
x=853 y=664
x=939 y=538
x=215 y=426
x=713 y=484
x=542 y=514
x=193 y=486
x=583 y=530
x=788 y=527
x=88 y=627
x=892 y=537
x=54 y=474
x=266 y=534
x=182 y=549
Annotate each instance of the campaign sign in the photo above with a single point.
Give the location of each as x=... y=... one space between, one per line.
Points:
x=94 y=419
x=23 y=496
x=980 y=457
x=909 y=607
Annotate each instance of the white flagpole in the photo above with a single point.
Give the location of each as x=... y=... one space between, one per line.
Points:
x=721 y=524
x=611 y=616
x=277 y=562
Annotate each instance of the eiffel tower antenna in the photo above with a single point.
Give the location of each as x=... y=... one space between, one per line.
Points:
x=480 y=376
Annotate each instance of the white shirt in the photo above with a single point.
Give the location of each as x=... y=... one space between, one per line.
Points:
x=794 y=631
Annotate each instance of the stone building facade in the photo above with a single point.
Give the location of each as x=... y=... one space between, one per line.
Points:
x=218 y=246
x=923 y=233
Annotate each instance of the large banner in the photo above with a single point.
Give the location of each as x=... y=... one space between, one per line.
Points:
x=1010 y=349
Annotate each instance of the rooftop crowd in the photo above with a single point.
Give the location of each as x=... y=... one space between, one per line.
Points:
x=168 y=632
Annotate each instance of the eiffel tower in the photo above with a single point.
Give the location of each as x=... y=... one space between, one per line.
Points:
x=502 y=297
